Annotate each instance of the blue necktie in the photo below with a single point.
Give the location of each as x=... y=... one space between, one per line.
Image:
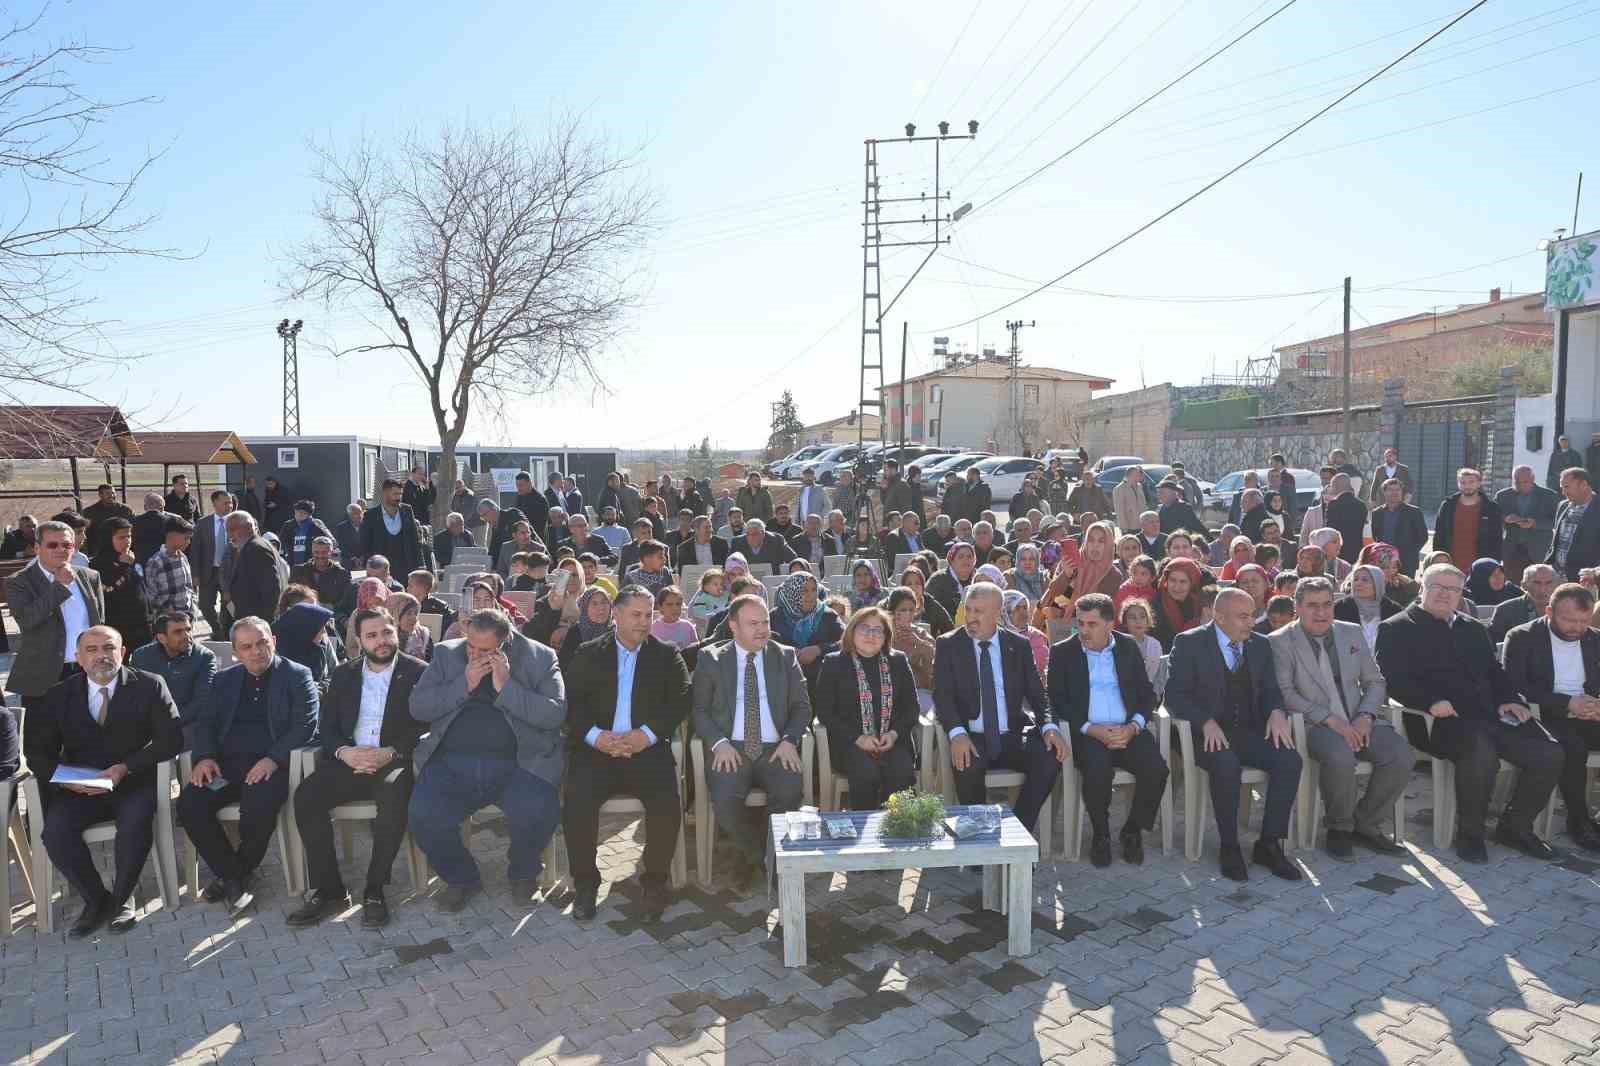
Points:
x=991 y=703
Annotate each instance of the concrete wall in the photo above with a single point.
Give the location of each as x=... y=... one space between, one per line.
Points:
x=1127 y=423
x=1209 y=454
x=1535 y=411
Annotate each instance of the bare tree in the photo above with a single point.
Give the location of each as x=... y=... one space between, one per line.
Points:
x=62 y=208
x=493 y=264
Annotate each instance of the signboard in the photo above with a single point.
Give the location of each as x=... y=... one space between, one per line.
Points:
x=288 y=458
x=505 y=478
x=1570 y=269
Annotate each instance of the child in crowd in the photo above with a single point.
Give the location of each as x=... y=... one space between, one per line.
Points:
x=1134 y=618
x=1141 y=583
x=712 y=599
x=670 y=625
x=1208 y=600
x=1128 y=549
x=1280 y=612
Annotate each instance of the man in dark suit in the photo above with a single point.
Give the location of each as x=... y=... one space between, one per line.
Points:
x=1539 y=583
x=1399 y=523
x=419 y=494
x=1348 y=515
x=150 y=528
x=1564 y=457
x=1567 y=694
x=907 y=539
x=1391 y=467
x=1437 y=660
x=703 y=549
x=1528 y=511
x=759 y=546
x=1175 y=513
x=123 y=723
x=252 y=581
x=1468 y=524
x=683 y=531
x=454 y=535
x=368 y=736
x=107 y=506
x=752 y=711
x=53 y=602
x=322 y=575
x=180 y=501
x=348 y=536
x=814 y=544
x=1223 y=681
x=627 y=693
x=1575 y=541
x=1152 y=541
x=390 y=529
x=261 y=710
x=978 y=497
x=1100 y=689
x=208 y=549
x=982 y=675
x=534 y=507
x=582 y=540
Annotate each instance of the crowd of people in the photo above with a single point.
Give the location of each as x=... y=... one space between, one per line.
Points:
x=577 y=658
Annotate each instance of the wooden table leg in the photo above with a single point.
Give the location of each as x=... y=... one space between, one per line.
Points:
x=1020 y=899
x=992 y=887
x=792 y=912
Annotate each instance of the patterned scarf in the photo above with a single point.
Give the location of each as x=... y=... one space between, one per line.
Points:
x=588 y=629
x=869 y=727
x=791 y=599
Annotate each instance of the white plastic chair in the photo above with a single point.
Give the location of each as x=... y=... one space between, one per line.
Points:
x=1308 y=805
x=13 y=842
x=1547 y=819
x=835 y=786
x=760 y=569
x=1007 y=779
x=1073 y=812
x=1197 y=796
x=556 y=857
x=706 y=823
x=292 y=878
x=1444 y=787
x=43 y=885
x=223 y=650
x=833 y=565
x=302 y=763
x=903 y=560
x=434 y=624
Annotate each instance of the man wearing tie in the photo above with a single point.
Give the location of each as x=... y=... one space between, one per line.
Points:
x=206 y=551
x=1223 y=682
x=752 y=710
x=627 y=693
x=982 y=675
x=123 y=723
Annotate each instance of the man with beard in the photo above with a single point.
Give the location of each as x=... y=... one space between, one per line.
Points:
x=1468 y=525
x=368 y=735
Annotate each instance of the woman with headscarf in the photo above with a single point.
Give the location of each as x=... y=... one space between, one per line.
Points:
x=371 y=592
x=415 y=640
x=1016 y=614
x=122 y=580
x=1386 y=557
x=1177 y=605
x=1487 y=585
x=1242 y=552
x=1095 y=571
x=804 y=622
x=1310 y=562
x=865 y=590
x=302 y=634
x=950 y=584
x=938 y=538
x=594 y=619
x=1026 y=577
x=930 y=612
x=1275 y=510
x=910 y=639
x=736 y=565
x=1333 y=566
x=1253 y=579
x=1365 y=603
x=866 y=698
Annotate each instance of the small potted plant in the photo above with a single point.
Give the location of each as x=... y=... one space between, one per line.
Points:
x=912 y=814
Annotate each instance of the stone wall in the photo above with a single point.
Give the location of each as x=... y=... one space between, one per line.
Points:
x=1209 y=454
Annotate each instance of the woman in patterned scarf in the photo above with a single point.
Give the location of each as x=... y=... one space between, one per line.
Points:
x=594 y=619
x=865 y=590
x=866 y=698
x=805 y=623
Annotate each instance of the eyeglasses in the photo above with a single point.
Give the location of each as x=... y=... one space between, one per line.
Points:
x=870 y=631
x=1454 y=590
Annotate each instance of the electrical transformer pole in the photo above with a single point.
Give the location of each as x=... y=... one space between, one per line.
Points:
x=290 y=333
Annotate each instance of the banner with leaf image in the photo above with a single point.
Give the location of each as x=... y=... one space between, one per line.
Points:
x=1570 y=272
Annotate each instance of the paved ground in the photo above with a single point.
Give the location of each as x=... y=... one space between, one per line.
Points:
x=1373 y=960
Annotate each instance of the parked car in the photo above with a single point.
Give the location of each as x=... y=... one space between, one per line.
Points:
x=1109 y=462
x=829 y=463
x=1070 y=464
x=1307 y=486
x=1153 y=473
x=933 y=473
x=907 y=456
x=791 y=465
x=1004 y=474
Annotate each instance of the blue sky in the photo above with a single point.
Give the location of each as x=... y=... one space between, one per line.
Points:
x=750 y=120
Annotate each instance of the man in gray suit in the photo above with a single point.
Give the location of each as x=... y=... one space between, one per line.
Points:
x=752 y=711
x=206 y=551
x=1529 y=514
x=1327 y=673
x=495 y=704
x=52 y=601
x=813 y=498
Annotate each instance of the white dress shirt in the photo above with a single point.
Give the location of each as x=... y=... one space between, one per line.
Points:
x=976 y=724
x=374 y=695
x=1567 y=656
x=74 y=618
x=622 y=716
x=95 y=693
x=769 y=731
x=1105 y=690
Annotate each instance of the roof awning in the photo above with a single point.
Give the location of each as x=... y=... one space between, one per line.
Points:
x=66 y=432
x=206 y=447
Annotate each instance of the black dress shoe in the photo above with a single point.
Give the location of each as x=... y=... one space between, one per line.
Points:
x=1471 y=849
x=522 y=890
x=212 y=893
x=583 y=903
x=237 y=897
x=1133 y=847
x=1527 y=842
x=315 y=906
x=654 y=899
x=751 y=876
x=93 y=916
x=1100 y=851
x=374 y=910
x=1585 y=837
x=1232 y=862
x=125 y=917
x=454 y=898
x=1269 y=853
x=1338 y=844
x=1378 y=842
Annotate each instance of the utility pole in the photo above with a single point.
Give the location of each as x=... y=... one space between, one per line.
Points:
x=873 y=308
x=905 y=328
x=1013 y=380
x=290 y=335
x=1347 y=445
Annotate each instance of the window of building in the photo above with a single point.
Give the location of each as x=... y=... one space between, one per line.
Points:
x=1030 y=394
x=1536 y=438
x=936 y=394
x=933 y=427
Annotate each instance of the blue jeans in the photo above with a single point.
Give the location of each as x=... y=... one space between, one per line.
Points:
x=452 y=787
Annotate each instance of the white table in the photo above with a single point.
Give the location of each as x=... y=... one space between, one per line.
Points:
x=1007 y=856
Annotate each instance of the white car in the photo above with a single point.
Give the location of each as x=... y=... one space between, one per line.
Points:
x=829 y=463
x=791 y=465
x=1004 y=474
x=933 y=473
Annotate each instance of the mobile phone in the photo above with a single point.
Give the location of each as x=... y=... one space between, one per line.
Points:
x=1069 y=551
x=217 y=784
x=557 y=580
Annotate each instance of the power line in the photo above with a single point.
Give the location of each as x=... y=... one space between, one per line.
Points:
x=1008 y=190
x=962 y=95
x=960 y=34
x=1175 y=208
x=1066 y=8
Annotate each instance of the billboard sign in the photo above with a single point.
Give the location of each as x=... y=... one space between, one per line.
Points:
x=1570 y=270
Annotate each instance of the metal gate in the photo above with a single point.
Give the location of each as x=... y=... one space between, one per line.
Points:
x=1435 y=442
